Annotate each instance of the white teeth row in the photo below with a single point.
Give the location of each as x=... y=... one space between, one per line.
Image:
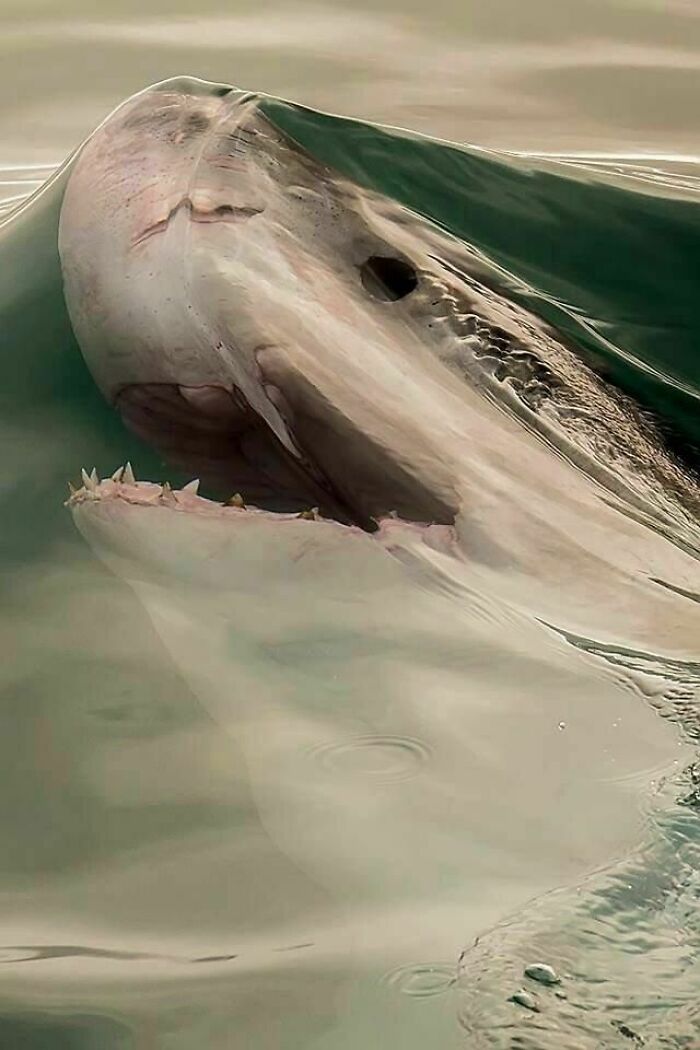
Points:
x=124 y=476
x=90 y=481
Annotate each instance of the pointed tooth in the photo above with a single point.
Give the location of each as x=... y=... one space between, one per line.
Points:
x=191 y=486
x=94 y=477
x=88 y=481
x=310 y=515
x=235 y=501
x=71 y=489
x=117 y=476
x=166 y=494
x=128 y=475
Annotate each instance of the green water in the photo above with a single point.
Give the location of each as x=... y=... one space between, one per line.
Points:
x=130 y=854
x=614 y=268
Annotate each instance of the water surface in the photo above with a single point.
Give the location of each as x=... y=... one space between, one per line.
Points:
x=148 y=899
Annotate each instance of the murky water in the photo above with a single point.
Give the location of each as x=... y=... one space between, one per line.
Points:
x=273 y=818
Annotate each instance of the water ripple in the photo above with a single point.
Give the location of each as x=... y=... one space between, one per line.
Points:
x=381 y=758
x=423 y=979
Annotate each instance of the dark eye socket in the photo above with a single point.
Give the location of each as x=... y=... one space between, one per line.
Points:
x=387 y=278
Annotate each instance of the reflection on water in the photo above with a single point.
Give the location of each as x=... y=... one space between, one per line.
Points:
x=609 y=76
x=18 y=181
x=353 y=824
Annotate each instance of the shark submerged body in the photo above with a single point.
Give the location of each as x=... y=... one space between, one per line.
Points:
x=442 y=518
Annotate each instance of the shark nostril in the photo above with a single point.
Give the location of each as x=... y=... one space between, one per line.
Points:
x=388 y=278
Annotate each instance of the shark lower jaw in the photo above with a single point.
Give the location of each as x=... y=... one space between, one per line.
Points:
x=153 y=535
x=122 y=488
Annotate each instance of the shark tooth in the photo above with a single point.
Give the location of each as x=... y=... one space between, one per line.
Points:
x=88 y=480
x=236 y=500
x=191 y=486
x=166 y=494
x=310 y=515
x=72 y=490
x=94 y=477
x=117 y=476
x=128 y=475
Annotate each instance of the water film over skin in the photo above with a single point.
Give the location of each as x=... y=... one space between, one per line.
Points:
x=381 y=795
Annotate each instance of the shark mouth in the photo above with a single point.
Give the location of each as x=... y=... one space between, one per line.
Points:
x=212 y=432
x=123 y=488
x=331 y=469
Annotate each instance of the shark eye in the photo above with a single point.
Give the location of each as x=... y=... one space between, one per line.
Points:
x=387 y=278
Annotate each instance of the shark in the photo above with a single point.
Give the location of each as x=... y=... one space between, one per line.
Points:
x=411 y=499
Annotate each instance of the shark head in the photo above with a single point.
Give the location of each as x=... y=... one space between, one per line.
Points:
x=286 y=334
x=257 y=317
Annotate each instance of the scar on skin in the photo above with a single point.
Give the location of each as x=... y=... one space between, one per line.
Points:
x=221 y=213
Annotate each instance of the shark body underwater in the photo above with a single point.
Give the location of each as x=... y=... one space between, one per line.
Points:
x=458 y=556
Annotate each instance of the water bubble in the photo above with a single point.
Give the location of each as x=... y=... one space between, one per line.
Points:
x=422 y=980
x=524 y=998
x=381 y=758
x=543 y=973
